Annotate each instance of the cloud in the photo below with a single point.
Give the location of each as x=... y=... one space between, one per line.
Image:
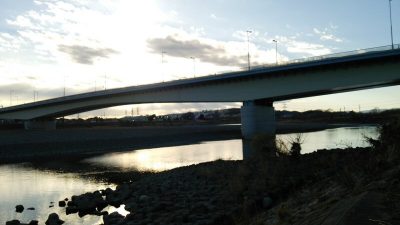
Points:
x=203 y=50
x=85 y=55
x=326 y=35
x=18 y=93
x=293 y=45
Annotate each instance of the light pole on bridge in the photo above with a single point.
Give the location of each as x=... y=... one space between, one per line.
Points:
x=391 y=27
x=248 y=48
x=162 y=63
x=194 y=66
x=276 y=51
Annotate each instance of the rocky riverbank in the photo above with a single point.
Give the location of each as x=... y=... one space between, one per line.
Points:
x=277 y=186
x=353 y=186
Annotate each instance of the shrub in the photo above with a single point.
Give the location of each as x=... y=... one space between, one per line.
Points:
x=388 y=142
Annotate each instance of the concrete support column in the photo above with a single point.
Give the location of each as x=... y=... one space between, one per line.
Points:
x=258 y=118
x=40 y=125
x=258 y=127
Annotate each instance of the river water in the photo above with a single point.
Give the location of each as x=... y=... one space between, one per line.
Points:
x=22 y=184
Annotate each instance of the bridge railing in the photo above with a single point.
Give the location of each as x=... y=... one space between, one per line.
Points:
x=314 y=58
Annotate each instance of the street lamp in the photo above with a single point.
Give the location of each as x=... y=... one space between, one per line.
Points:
x=194 y=66
x=11 y=96
x=248 y=48
x=276 y=51
x=391 y=28
x=162 y=63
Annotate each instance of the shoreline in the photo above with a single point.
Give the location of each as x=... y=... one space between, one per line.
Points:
x=17 y=146
x=312 y=189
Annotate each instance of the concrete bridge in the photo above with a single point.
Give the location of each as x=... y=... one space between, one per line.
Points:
x=257 y=88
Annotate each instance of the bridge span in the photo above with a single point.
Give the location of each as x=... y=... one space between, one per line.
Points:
x=257 y=88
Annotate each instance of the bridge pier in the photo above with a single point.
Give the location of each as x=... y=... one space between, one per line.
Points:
x=258 y=120
x=40 y=125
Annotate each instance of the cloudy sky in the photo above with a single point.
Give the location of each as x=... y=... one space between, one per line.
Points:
x=82 y=45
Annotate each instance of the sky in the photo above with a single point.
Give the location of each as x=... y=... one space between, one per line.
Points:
x=52 y=47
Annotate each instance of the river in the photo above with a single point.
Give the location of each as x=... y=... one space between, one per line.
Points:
x=23 y=184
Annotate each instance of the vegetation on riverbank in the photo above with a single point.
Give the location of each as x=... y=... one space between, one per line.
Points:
x=224 y=116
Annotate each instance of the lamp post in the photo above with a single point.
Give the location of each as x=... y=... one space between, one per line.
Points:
x=248 y=48
x=391 y=27
x=194 y=66
x=276 y=51
x=11 y=96
x=162 y=63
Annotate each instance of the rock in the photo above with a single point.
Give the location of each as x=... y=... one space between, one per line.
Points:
x=30 y=208
x=53 y=219
x=113 y=218
x=33 y=222
x=144 y=198
x=66 y=199
x=19 y=208
x=200 y=208
x=71 y=209
x=115 y=198
x=61 y=203
x=106 y=192
x=266 y=202
x=13 y=222
x=86 y=203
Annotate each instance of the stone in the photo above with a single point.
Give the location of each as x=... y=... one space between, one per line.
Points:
x=33 y=222
x=88 y=203
x=30 y=208
x=54 y=219
x=13 y=222
x=71 y=209
x=61 y=203
x=267 y=202
x=113 y=218
x=19 y=208
x=144 y=198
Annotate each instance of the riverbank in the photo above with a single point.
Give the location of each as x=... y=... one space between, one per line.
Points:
x=74 y=144
x=353 y=186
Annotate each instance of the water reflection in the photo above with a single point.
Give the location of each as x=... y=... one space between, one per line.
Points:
x=335 y=138
x=159 y=159
x=33 y=188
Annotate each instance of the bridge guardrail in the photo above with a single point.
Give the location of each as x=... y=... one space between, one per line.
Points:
x=312 y=59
